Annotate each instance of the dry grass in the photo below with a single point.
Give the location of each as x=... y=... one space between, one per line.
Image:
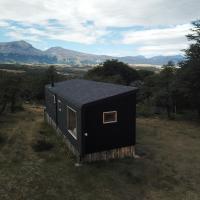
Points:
x=170 y=169
x=13 y=71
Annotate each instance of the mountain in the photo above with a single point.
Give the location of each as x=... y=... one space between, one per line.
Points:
x=156 y=60
x=75 y=57
x=21 y=51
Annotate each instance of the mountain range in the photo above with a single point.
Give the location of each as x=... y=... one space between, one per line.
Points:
x=23 y=52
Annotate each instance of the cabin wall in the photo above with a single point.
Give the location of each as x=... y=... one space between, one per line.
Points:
x=62 y=122
x=102 y=137
x=60 y=117
x=50 y=105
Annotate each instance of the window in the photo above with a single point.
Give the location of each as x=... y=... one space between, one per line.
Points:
x=72 y=122
x=54 y=98
x=109 y=117
x=59 y=105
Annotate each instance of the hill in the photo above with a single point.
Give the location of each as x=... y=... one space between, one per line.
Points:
x=75 y=57
x=23 y=52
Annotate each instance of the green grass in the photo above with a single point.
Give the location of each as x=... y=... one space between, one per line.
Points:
x=170 y=168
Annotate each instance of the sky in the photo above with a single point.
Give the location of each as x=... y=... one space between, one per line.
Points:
x=106 y=27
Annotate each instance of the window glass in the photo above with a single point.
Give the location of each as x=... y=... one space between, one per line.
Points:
x=72 y=122
x=59 y=105
x=110 y=117
x=54 y=99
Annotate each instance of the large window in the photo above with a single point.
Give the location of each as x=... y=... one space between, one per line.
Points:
x=109 y=117
x=72 y=122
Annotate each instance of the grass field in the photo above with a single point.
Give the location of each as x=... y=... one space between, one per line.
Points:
x=170 y=169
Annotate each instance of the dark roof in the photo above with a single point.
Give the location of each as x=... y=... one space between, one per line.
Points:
x=80 y=92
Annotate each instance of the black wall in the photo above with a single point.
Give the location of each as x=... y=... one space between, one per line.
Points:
x=90 y=120
x=62 y=122
x=109 y=136
x=50 y=105
x=60 y=117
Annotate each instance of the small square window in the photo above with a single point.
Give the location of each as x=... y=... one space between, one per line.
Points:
x=59 y=106
x=109 y=117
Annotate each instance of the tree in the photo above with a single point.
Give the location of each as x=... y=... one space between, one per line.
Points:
x=51 y=73
x=190 y=68
x=160 y=89
x=143 y=73
x=165 y=95
x=113 y=71
x=10 y=91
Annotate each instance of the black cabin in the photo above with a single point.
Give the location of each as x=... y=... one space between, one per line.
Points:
x=97 y=119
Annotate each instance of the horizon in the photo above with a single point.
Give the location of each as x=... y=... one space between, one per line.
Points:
x=90 y=53
x=113 y=28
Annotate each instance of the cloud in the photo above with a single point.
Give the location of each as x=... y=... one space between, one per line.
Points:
x=113 y=13
x=20 y=36
x=166 y=41
x=169 y=49
x=84 y=35
x=3 y=24
x=90 y=21
x=157 y=35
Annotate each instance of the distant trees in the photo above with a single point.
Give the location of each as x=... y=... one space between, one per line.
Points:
x=51 y=75
x=177 y=88
x=189 y=74
x=28 y=86
x=166 y=89
x=10 y=88
x=113 y=71
x=158 y=89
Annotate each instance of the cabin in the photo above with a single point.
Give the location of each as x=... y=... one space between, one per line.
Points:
x=97 y=120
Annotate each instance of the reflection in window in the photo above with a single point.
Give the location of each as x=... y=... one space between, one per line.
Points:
x=72 y=122
x=59 y=106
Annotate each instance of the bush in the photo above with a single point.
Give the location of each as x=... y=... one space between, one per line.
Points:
x=2 y=139
x=144 y=109
x=42 y=145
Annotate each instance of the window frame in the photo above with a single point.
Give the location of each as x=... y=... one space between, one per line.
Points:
x=59 y=105
x=71 y=132
x=110 y=112
x=54 y=98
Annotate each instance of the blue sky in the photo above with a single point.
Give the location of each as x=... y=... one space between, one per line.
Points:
x=111 y=27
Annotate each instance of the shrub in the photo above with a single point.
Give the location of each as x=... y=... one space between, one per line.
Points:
x=2 y=139
x=42 y=145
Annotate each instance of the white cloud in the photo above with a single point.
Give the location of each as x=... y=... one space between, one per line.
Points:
x=166 y=41
x=83 y=35
x=157 y=35
x=169 y=49
x=71 y=17
x=102 y=12
x=19 y=36
x=3 y=24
